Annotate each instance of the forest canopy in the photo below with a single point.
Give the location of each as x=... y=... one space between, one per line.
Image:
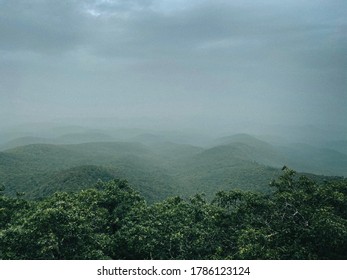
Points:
x=299 y=219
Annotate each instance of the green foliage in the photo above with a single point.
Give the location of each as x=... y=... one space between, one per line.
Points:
x=41 y=169
x=173 y=229
x=158 y=171
x=68 y=226
x=299 y=219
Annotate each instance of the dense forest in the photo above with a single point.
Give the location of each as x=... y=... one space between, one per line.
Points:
x=298 y=219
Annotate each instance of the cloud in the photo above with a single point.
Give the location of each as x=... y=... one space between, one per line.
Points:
x=143 y=28
x=262 y=56
x=40 y=26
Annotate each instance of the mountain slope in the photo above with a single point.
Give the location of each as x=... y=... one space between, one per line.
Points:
x=160 y=168
x=308 y=158
x=224 y=167
x=250 y=148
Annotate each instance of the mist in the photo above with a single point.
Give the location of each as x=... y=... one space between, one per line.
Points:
x=210 y=67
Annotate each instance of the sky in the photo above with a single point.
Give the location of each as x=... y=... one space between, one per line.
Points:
x=206 y=64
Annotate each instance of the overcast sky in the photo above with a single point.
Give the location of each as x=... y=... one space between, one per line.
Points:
x=188 y=62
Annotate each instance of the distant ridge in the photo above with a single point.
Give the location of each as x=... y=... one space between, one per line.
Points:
x=27 y=140
x=250 y=148
x=156 y=165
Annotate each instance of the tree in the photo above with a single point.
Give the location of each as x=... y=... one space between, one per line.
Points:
x=69 y=226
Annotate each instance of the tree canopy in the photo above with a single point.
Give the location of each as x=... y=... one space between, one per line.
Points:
x=299 y=219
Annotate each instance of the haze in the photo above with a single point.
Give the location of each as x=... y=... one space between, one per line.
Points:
x=191 y=65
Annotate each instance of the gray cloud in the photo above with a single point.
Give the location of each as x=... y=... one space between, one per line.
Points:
x=40 y=26
x=264 y=61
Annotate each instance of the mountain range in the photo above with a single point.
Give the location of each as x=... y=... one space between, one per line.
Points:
x=158 y=165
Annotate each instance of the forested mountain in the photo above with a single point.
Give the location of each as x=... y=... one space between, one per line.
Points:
x=41 y=166
x=327 y=159
x=157 y=166
x=252 y=149
x=225 y=200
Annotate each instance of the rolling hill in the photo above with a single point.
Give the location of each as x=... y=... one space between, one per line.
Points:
x=159 y=168
x=27 y=168
x=250 y=148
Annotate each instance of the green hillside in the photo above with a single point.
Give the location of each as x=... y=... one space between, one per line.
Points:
x=157 y=171
x=159 y=168
x=224 y=167
x=251 y=148
x=72 y=179
x=35 y=168
x=40 y=158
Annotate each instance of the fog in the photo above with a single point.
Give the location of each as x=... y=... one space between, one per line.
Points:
x=199 y=66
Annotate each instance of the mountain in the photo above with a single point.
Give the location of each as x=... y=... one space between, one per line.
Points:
x=149 y=138
x=157 y=171
x=40 y=157
x=84 y=137
x=250 y=148
x=224 y=167
x=30 y=167
x=300 y=156
x=23 y=141
x=317 y=160
x=157 y=167
x=72 y=179
x=70 y=138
